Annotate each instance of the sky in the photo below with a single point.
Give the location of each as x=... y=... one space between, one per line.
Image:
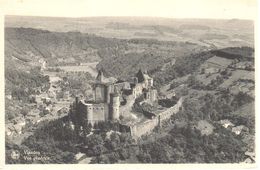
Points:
x=226 y=9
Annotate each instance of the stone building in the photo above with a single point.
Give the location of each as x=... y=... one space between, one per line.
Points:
x=110 y=97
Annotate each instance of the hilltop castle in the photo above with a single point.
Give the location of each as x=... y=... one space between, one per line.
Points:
x=113 y=98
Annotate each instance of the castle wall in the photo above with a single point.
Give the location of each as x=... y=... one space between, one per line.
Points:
x=92 y=113
x=151 y=96
x=100 y=112
x=138 y=89
x=106 y=105
x=123 y=85
x=150 y=82
x=125 y=110
x=170 y=111
x=84 y=113
x=142 y=128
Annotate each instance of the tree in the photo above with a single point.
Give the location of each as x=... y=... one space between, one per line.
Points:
x=25 y=110
x=144 y=157
x=191 y=80
x=94 y=140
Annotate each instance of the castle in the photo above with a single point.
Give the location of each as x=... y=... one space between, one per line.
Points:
x=113 y=98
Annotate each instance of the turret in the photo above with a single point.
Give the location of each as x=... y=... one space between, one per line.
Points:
x=110 y=89
x=114 y=105
x=140 y=76
x=89 y=109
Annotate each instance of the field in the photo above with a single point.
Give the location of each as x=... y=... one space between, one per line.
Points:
x=236 y=75
x=84 y=67
x=211 y=33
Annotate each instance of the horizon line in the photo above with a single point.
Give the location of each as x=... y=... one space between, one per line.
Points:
x=122 y=16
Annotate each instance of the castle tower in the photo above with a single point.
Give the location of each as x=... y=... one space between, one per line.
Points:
x=153 y=95
x=140 y=76
x=100 y=92
x=135 y=80
x=100 y=77
x=114 y=105
x=89 y=110
x=100 y=89
x=110 y=89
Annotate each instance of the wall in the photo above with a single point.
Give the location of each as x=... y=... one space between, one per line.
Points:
x=153 y=95
x=124 y=110
x=100 y=112
x=170 y=111
x=138 y=89
x=82 y=112
x=142 y=128
x=123 y=85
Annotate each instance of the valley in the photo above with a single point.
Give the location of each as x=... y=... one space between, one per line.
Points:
x=209 y=66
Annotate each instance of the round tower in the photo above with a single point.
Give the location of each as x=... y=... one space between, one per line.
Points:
x=89 y=110
x=114 y=104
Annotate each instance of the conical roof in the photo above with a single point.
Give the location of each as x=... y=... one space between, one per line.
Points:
x=100 y=76
x=140 y=76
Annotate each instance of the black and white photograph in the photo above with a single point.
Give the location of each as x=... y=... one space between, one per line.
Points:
x=130 y=89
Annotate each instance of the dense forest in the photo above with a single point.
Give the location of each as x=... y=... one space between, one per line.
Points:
x=181 y=144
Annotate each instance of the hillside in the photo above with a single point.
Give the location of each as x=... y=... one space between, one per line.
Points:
x=217 y=85
x=29 y=45
x=164 y=60
x=208 y=32
x=28 y=48
x=25 y=47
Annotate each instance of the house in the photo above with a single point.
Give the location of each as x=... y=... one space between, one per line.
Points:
x=238 y=129
x=226 y=123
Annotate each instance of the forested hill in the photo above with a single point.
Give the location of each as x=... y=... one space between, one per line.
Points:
x=27 y=44
x=24 y=47
x=165 y=60
x=164 y=70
